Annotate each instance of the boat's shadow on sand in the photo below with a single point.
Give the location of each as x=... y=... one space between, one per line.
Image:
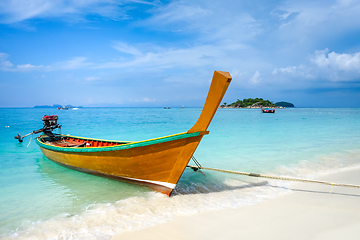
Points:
x=203 y=189
x=197 y=184
x=211 y=187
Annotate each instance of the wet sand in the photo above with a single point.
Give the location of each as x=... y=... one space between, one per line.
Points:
x=310 y=211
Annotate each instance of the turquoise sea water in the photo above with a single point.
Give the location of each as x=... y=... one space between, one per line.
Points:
x=42 y=200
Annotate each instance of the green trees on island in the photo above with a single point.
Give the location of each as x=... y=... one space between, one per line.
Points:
x=250 y=102
x=256 y=103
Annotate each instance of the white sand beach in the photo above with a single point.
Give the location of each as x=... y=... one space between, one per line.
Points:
x=310 y=211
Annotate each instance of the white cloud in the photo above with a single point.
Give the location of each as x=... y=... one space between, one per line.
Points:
x=4 y=64
x=337 y=61
x=18 y=10
x=179 y=11
x=316 y=21
x=224 y=34
x=295 y=71
x=13 y=11
x=162 y=58
x=92 y=78
x=28 y=67
x=326 y=66
x=7 y=66
x=3 y=56
x=168 y=58
x=210 y=20
x=148 y=100
x=290 y=70
x=123 y=47
x=75 y=63
x=255 y=78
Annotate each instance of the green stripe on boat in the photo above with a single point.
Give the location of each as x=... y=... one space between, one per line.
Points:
x=118 y=147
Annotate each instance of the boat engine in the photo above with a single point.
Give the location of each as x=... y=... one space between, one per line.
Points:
x=50 y=123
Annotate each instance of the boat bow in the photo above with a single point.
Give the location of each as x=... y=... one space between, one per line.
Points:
x=218 y=87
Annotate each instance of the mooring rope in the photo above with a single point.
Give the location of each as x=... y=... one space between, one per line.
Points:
x=275 y=177
x=30 y=140
x=196 y=162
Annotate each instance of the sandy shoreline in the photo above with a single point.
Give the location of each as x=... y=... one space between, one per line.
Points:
x=310 y=211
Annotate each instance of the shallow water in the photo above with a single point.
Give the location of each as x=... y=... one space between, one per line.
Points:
x=42 y=200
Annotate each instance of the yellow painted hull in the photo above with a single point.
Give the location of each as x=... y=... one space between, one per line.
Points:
x=158 y=166
x=155 y=163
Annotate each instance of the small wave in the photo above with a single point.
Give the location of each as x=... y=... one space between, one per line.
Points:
x=101 y=221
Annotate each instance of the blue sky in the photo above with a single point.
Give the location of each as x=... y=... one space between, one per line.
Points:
x=137 y=53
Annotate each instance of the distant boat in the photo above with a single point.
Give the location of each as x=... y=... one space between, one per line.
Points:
x=166 y=107
x=63 y=108
x=268 y=110
x=156 y=163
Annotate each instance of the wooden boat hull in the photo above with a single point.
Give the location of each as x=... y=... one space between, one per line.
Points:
x=155 y=163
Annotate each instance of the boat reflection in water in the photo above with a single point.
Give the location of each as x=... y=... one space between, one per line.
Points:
x=73 y=190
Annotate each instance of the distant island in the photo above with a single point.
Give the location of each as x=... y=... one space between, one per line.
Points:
x=284 y=104
x=57 y=106
x=256 y=103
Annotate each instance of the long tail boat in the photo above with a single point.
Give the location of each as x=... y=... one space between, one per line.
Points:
x=268 y=110
x=156 y=163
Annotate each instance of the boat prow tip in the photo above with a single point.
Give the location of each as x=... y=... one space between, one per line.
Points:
x=219 y=84
x=226 y=74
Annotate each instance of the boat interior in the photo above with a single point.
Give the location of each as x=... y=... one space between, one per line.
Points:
x=69 y=141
